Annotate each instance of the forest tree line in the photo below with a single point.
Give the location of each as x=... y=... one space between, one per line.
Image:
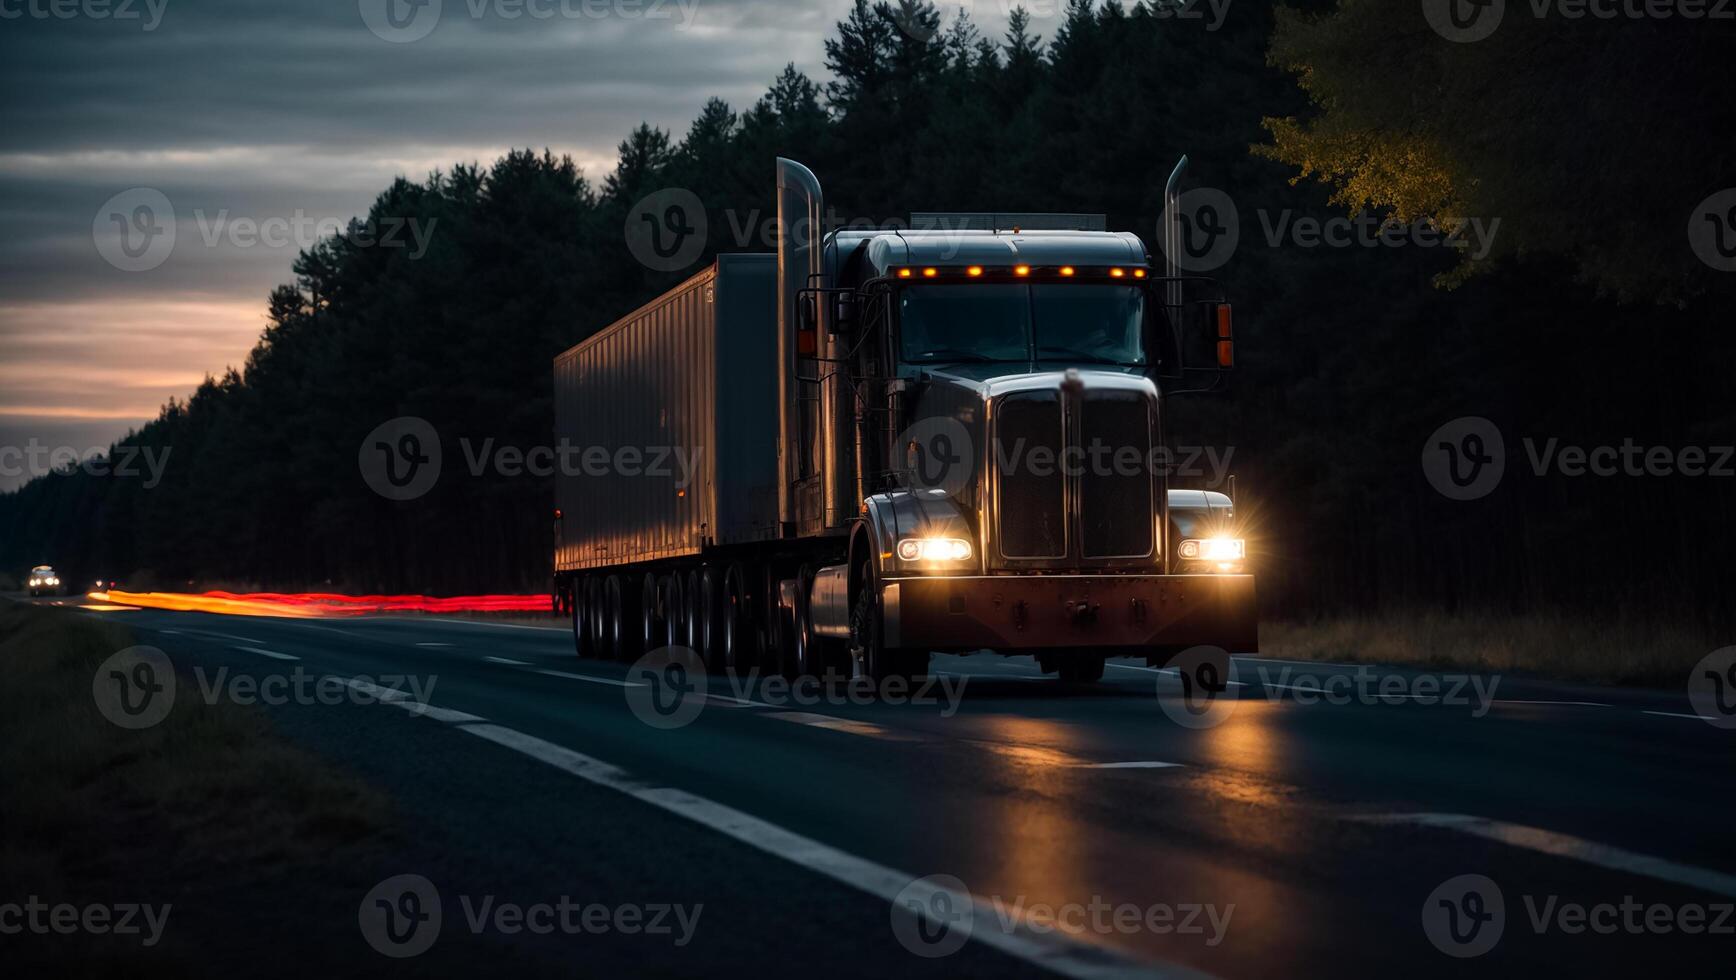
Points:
x=1587 y=320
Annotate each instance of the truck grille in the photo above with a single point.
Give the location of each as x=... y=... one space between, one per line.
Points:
x=1033 y=497
x=1116 y=510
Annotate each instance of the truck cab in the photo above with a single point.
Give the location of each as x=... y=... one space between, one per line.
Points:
x=982 y=413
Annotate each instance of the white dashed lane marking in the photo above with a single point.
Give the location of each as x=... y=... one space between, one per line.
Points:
x=587 y=678
x=273 y=654
x=1573 y=848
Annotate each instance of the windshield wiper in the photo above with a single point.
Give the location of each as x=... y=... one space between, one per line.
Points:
x=955 y=354
x=1044 y=354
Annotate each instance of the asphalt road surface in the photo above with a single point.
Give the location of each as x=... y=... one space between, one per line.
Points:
x=1045 y=829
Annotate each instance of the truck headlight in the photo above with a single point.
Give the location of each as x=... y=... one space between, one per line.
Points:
x=934 y=549
x=1214 y=549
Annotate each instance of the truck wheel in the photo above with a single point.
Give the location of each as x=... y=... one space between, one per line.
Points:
x=674 y=610
x=622 y=641
x=799 y=653
x=709 y=603
x=598 y=617
x=738 y=654
x=695 y=612
x=868 y=652
x=650 y=624
x=1082 y=669
x=609 y=596
x=581 y=619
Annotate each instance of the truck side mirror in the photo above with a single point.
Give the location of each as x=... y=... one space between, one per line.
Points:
x=1226 y=338
x=807 y=332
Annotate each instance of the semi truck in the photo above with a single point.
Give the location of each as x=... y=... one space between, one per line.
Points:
x=835 y=459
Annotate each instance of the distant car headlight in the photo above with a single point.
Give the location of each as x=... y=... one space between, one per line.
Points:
x=934 y=549
x=54 y=581
x=1214 y=549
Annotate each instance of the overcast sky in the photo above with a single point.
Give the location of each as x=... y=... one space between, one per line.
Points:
x=240 y=111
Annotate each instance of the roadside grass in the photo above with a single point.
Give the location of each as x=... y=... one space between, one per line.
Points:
x=1612 y=651
x=208 y=799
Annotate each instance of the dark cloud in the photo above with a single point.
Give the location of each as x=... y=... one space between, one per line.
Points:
x=252 y=110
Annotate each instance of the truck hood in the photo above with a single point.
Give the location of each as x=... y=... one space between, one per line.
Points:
x=993 y=380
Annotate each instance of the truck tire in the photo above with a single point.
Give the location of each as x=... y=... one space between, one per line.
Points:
x=709 y=604
x=622 y=609
x=581 y=619
x=650 y=623
x=598 y=618
x=695 y=611
x=870 y=656
x=739 y=653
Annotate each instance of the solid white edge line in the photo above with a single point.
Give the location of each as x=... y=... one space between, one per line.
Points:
x=504 y=660
x=1568 y=846
x=273 y=654
x=1676 y=714
x=1062 y=954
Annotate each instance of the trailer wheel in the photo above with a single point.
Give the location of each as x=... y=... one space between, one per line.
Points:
x=694 y=613
x=581 y=618
x=650 y=623
x=708 y=616
x=738 y=654
x=674 y=610
x=619 y=615
x=598 y=615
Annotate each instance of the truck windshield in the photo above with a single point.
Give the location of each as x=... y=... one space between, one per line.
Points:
x=1094 y=323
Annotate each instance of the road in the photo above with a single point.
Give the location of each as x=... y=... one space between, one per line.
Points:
x=1281 y=833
